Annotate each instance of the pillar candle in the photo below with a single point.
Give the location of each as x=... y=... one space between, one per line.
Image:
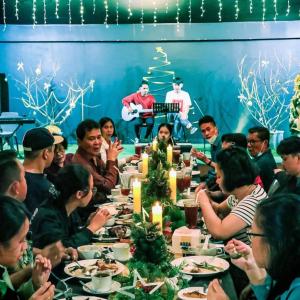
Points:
x=157 y=215
x=136 y=189
x=170 y=154
x=145 y=161
x=154 y=145
x=172 y=182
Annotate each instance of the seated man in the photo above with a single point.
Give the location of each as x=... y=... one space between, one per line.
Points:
x=38 y=145
x=288 y=181
x=13 y=184
x=146 y=101
x=105 y=176
x=258 y=147
x=180 y=119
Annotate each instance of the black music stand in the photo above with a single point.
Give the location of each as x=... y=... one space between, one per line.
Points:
x=165 y=108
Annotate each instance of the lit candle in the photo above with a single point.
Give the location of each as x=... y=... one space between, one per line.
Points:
x=170 y=154
x=172 y=182
x=154 y=145
x=136 y=189
x=145 y=161
x=157 y=215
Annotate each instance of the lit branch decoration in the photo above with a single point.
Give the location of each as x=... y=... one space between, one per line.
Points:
x=38 y=95
x=265 y=90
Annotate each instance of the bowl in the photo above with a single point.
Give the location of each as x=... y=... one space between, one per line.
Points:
x=89 y=251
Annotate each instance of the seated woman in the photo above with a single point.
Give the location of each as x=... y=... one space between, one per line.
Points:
x=164 y=133
x=57 y=219
x=14 y=226
x=273 y=263
x=235 y=176
x=108 y=131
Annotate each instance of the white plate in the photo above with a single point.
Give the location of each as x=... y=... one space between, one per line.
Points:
x=187 y=263
x=112 y=256
x=115 y=286
x=195 y=172
x=189 y=290
x=84 y=298
x=194 y=184
x=88 y=263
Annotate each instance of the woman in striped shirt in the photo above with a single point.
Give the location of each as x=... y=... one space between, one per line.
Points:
x=235 y=176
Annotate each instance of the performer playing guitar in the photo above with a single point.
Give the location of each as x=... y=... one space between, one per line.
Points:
x=142 y=100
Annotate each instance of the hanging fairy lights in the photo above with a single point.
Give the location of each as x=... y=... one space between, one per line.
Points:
x=177 y=15
x=45 y=11
x=81 y=12
x=237 y=9
x=4 y=14
x=190 y=11
x=56 y=9
x=148 y=10
x=220 y=10
x=288 y=9
x=275 y=10
x=263 y=10
x=106 y=13
x=202 y=9
x=94 y=7
x=34 y=13
x=129 y=10
x=250 y=6
x=17 y=9
x=142 y=15
x=154 y=13
x=117 y=12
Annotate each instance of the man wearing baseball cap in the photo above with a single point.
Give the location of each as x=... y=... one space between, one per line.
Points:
x=38 y=145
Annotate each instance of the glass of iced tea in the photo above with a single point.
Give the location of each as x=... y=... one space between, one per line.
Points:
x=187 y=178
x=180 y=181
x=191 y=213
x=138 y=150
x=186 y=156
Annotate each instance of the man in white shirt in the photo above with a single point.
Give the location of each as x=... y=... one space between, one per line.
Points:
x=180 y=119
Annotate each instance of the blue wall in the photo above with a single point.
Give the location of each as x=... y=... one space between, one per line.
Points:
x=204 y=55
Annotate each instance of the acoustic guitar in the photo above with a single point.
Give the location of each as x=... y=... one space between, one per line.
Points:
x=136 y=111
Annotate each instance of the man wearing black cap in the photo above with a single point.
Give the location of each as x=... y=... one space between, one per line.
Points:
x=38 y=145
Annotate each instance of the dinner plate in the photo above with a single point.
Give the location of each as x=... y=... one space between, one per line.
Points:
x=195 y=172
x=181 y=293
x=187 y=265
x=88 y=287
x=90 y=264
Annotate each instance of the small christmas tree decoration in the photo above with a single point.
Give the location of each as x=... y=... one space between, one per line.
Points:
x=295 y=107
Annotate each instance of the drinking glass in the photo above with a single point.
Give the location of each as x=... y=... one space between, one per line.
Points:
x=125 y=183
x=191 y=213
x=180 y=181
x=187 y=158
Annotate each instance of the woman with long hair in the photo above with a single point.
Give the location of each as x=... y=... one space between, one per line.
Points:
x=108 y=132
x=14 y=226
x=273 y=263
x=164 y=133
x=58 y=219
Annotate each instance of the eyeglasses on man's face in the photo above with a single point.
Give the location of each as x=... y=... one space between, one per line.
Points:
x=251 y=234
x=253 y=142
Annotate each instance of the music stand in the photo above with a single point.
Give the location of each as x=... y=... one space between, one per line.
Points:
x=165 y=108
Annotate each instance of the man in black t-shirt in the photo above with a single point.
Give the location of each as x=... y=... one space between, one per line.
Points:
x=38 y=144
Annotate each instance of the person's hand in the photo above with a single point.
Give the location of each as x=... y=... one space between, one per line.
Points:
x=215 y=291
x=246 y=262
x=200 y=155
x=55 y=252
x=201 y=186
x=133 y=157
x=71 y=253
x=202 y=197
x=45 y=292
x=99 y=219
x=243 y=253
x=41 y=271
x=114 y=150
